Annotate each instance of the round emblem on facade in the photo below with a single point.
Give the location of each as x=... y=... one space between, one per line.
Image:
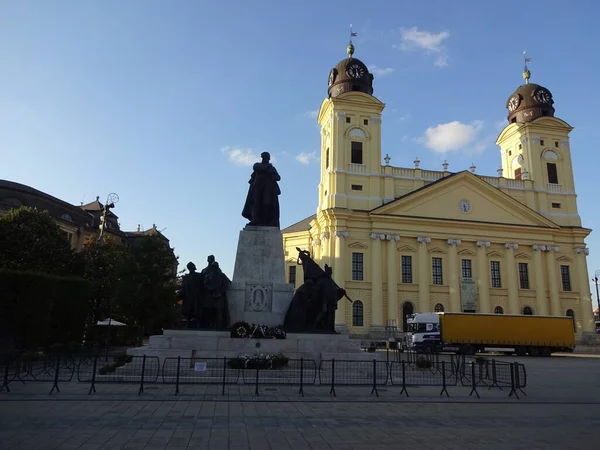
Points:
x=464 y=206
x=258 y=299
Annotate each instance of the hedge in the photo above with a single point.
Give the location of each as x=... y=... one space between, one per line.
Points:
x=40 y=311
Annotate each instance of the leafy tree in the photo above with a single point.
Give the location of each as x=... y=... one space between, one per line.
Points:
x=31 y=241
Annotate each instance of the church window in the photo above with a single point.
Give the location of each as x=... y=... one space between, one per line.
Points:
x=495 y=272
x=556 y=205
x=565 y=276
x=498 y=310
x=357 y=187
x=357 y=314
x=436 y=270
x=357 y=266
x=509 y=152
x=541 y=142
x=518 y=174
x=467 y=272
x=65 y=216
x=552 y=173
x=556 y=144
x=407 y=269
x=438 y=307
x=357 y=153
x=348 y=119
x=327 y=158
x=524 y=275
x=520 y=146
x=527 y=311
x=366 y=122
x=292 y=275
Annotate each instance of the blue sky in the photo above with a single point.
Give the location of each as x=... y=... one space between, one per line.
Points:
x=165 y=103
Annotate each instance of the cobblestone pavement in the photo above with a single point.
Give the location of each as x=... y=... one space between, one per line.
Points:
x=561 y=410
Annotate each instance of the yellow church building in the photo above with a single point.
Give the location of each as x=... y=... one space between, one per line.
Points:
x=404 y=240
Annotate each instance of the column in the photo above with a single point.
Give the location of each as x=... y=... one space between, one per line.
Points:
x=483 y=278
x=376 y=283
x=540 y=285
x=553 y=278
x=453 y=280
x=424 y=275
x=317 y=250
x=339 y=274
x=585 y=297
x=511 y=270
x=392 y=279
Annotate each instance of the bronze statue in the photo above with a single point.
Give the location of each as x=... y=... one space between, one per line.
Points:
x=262 y=202
x=315 y=302
x=192 y=286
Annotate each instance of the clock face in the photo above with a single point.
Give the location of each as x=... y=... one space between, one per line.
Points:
x=542 y=96
x=513 y=103
x=332 y=76
x=464 y=206
x=355 y=70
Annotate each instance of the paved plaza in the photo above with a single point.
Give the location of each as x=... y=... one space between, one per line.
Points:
x=561 y=410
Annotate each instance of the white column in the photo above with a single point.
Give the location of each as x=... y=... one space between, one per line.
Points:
x=553 y=277
x=585 y=297
x=483 y=277
x=339 y=274
x=392 y=279
x=540 y=285
x=376 y=283
x=424 y=274
x=453 y=280
x=511 y=270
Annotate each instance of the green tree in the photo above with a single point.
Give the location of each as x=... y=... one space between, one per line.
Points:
x=30 y=240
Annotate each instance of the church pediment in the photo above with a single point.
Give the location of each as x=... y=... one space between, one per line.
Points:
x=357 y=245
x=564 y=259
x=407 y=248
x=464 y=197
x=495 y=254
x=522 y=256
x=466 y=252
x=437 y=250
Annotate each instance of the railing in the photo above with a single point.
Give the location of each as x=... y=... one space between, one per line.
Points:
x=401 y=172
x=400 y=369
x=494 y=181
x=431 y=175
x=357 y=168
x=514 y=184
x=555 y=187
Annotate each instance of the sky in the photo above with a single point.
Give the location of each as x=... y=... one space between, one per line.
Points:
x=168 y=104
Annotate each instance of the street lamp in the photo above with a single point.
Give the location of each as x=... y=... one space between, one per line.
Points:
x=595 y=280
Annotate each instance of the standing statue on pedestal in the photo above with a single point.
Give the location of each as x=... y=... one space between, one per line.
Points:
x=315 y=302
x=216 y=284
x=262 y=202
x=192 y=285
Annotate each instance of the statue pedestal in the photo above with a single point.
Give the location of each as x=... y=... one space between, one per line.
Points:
x=258 y=292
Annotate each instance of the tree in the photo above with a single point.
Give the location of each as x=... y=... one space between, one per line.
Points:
x=31 y=241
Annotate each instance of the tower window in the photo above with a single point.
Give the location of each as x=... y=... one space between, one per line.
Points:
x=513 y=120
x=357 y=187
x=556 y=205
x=556 y=144
x=541 y=142
x=366 y=122
x=552 y=173
x=518 y=174
x=520 y=146
x=347 y=119
x=509 y=152
x=327 y=158
x=357 y=153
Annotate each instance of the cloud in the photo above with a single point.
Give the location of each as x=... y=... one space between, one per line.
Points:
x=243 y=156
x=311 y=114
x=306 y=158
x=380 y=71
x=415 y=39
x=454 y=136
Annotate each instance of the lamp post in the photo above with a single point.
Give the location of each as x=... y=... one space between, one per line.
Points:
x=595 y=280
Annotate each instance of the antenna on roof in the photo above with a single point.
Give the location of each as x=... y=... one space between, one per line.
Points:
x=83 y=199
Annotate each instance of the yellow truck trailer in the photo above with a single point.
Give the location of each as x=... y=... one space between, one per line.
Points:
x=469 y=333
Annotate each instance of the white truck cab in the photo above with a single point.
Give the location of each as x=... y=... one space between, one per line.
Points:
x=423 y=332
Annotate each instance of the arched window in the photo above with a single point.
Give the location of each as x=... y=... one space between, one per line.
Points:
x=571 y=314
x=407 y=310
x=438 y=307
x=357 y=314
x=67 y=217
x=527 y=311
x=498 y=310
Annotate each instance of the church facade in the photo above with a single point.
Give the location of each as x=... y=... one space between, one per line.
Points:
x=404 y=240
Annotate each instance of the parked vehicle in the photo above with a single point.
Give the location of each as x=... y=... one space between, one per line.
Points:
x=468 y=333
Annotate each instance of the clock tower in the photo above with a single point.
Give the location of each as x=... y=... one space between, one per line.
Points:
x=350 y=120
x=535 y=146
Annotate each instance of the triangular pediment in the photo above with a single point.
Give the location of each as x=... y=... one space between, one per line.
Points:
x=495 y=254
x=522 y=256
x=464 y=197
x=564 y=259
x=466 y=252
x=357 y=245
x=407 y=248
x=437 y=250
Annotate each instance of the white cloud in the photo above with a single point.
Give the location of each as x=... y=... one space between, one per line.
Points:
x=311 y=114
x=243 y=156
x=306 y=158
x=453 y=136
x=380 y=71
x=415 y=39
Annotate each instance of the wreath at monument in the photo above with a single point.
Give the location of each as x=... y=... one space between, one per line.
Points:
x=259 y=361
x=244 y=330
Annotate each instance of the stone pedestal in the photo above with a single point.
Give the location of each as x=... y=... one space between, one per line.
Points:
x=258 y=293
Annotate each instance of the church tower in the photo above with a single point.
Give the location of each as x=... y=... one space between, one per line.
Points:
x=350 y=120
x=535 y=146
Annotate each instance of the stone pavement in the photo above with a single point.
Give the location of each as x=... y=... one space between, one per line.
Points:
x=561 y=410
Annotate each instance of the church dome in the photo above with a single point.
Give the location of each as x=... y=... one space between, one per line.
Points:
x=350 y=74
x=529 y=102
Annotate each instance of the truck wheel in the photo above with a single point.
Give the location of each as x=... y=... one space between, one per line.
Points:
x=546 y=352
x=521 y=351
x=534 y=351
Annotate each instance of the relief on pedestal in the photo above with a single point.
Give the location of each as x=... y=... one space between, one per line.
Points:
x=259 y=297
